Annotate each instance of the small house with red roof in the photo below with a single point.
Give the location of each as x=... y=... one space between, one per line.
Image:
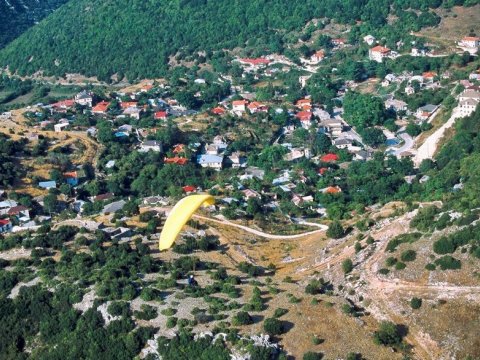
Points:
x=239 y=106
x=175 y=160
x=305 y=118
x=256 y=106
x=378 y=53
x=317 y=57
x=339 y=41
x=5 y=225
x=128 y=104
x=254 y=63
x=189 y=189
x=64 y=104
x=329 y=158
x=101 y=108
x=20 y=212
x=429 y=76
x=470 y=44
x=218 y=111
x=160 y=115
x=331 y=190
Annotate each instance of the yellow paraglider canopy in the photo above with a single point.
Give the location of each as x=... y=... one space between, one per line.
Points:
x=180 y=214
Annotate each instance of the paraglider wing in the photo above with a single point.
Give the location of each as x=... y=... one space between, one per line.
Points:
x=180 y=214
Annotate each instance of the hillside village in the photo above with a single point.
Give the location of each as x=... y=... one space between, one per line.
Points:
x=346 y=153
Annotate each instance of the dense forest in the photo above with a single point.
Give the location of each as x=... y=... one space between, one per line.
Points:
x=138 y=39
x=16 y=16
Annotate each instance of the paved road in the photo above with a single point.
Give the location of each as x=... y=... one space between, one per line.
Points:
x=429 y=147
x=407 y=146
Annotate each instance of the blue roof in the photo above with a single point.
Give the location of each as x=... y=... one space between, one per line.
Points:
x=207 y=159
x=47 y=184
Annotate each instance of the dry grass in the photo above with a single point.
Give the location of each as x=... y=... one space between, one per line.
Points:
x=454 y=25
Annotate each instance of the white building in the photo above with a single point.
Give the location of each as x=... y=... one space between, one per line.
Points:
x=210 y=161
x=84 y=98
x=151 y=145
x=369 y=39
x=378 y=53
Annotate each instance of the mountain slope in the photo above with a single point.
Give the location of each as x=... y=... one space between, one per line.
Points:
x=16 y=16
x=137 y=37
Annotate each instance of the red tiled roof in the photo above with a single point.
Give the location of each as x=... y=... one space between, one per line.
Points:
x=304 y=115
x=102 y=197
x=4 y=222
x=160 y=115
x=17 y=209
x=178 y=148
x=101 y=107
x=64 y=103
x=175 y=160
x=471 y=38
x=239 y=102
x=127 y=104
x=333 y=190
x=329 y=158
x=429 y=74
x=218 y=110
x=259 y=61
x=189 y=188
x=70 y=175
x=380 y=49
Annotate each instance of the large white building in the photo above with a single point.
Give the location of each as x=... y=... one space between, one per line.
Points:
x=378 y=53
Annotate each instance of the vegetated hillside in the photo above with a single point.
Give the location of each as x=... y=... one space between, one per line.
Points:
x=136 y=38
x=16 y=16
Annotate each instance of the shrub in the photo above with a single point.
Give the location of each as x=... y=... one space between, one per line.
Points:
x=402 y=239
x=119 y=308
x=358 y=247
x=408 y=255
x=242 y=318
x=250 y=269
x=312 y=356
x=146 y=312
x=430 y=267
x=279 y=312
x=273 y=326
x=400 y=266
x=168 y=312
x=315 y=287
x=335 y=230
x=347 y=266
x=416 y=303
x=388 y=334
x=391 y=261
x=448 y=263
x=383 y=271
x=171 y=322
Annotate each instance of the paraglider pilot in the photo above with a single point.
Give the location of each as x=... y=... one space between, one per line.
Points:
x=191 y=281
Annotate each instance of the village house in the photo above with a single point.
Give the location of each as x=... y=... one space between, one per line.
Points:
x=467 y=107
x=63 y=105
x=133 y=112
x=128 y=104
x=101 y=108
x=429 y=76
x=304 y=104
x=334 y=127
x=305 y=118
x=160 y=115
x=151 y=145
x=339 y=42
x=297 y=153
x=218 y=111
x=175 y=160
x=317 y=57
x=342 y=143
x=255 y=107
x=60 y=126
x=5 y=226
x=210 y=161
x=250 y=194
x=396 y=105
x=369 y=39
x=20 y=212
x=470 y=44
x=424 y=112
x=236 y=160
x=303 y=80
x=47 y=185
x=72 y=178
x=409 y=90
x=6 y=205
x=254 y=64
x=378 y=53
x=84 y=98
x=239 y=106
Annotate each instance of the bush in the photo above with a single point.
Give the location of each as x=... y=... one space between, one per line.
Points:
x=279 y=312
x=312 y=356
x=119 y=308
x=400 y=266
x=388 y=334
x=448 y=263
x=335 y=230
x=146 y=312
x=273 y=326
x=416 y=303
x=242 y=318
x=171 y=322
x=402 y=239
x=430 y=267
x=408 y=255
x=347 y=266
x=250 y=269
x=383 y=271
x=391 y=261
x=315 y=287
